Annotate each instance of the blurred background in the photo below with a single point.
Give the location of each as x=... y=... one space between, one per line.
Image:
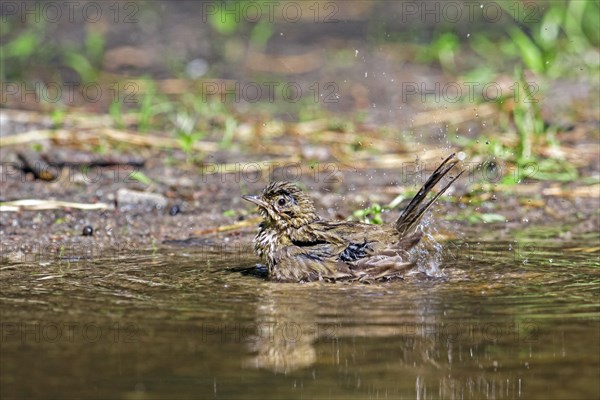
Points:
x=200 y=69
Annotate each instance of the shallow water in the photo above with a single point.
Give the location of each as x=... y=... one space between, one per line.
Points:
x=505 y=320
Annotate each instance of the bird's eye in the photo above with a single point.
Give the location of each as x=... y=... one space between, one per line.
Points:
x=281 y=202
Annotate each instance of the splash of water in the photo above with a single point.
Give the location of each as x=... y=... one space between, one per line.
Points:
x=429 y=253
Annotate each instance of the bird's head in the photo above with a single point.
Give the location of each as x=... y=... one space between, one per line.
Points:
x=283 y=205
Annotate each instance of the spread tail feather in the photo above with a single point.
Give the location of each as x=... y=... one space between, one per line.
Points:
x=413 y=213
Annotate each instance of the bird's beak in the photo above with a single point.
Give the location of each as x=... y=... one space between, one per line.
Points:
x=256 y=200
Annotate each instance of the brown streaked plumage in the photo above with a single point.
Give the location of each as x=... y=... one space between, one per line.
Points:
x=298 y=246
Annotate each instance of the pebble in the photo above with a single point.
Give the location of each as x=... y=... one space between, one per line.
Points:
x=174 y=210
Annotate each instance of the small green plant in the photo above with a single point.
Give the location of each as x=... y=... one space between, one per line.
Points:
x=22 y=49
x=527 y=117
x=370 y=215
x=187 y=133
x=260 y=35
x=80 y=64
x=58 y=116
x=141 y=177
x=553 y=45
x=145 y=112
x=533 y=56
x=443 y=49
x=94 y=47
x=533 y=133
x=152 y=105
x=115 y=110
x=186 y=142
x=229 y=213
x=86 y=62
x=223 y=21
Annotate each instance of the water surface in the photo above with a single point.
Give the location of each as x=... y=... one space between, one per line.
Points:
x=503 y=322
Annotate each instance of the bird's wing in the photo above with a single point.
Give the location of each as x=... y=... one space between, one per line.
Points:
x=350 y=241
x=310 y=263
x=344 y=250
x=317 y=233
x=320 y=263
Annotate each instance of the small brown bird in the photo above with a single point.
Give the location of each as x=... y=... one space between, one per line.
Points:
x=299 y=247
